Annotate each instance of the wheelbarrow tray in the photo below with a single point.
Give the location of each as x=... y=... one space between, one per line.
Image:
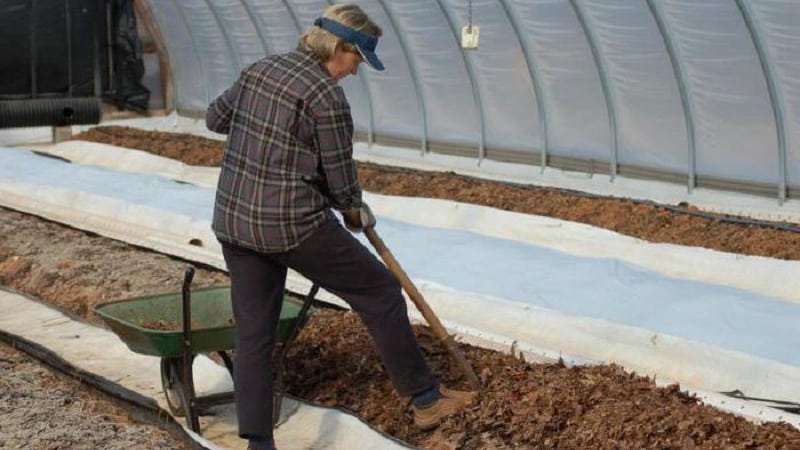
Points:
x=212 y=325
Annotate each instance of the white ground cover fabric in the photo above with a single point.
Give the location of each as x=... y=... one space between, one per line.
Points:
x=489 y=282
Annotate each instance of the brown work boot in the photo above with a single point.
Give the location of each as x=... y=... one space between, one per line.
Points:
x=449 y=403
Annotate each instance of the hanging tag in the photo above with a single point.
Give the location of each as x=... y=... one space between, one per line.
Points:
x=469 y=39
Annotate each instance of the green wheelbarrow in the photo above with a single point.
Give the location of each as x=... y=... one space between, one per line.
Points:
x=176 y=327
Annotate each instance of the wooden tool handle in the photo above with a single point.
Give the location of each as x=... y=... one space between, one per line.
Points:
x=422 y=306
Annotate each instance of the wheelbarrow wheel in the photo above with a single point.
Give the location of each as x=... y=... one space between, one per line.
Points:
x=172 y=385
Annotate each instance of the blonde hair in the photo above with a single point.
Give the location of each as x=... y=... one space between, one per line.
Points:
x=323 y=44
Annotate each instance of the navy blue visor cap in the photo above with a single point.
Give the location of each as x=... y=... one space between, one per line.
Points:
x=364 y=43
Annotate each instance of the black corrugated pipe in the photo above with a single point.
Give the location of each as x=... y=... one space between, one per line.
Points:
x=49 y=112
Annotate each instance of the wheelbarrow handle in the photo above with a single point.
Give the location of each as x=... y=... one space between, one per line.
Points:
x=188 y=276
x=186 y=353
x=186 y=296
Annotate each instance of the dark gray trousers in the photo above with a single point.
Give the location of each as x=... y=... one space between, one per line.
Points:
x=338 y=262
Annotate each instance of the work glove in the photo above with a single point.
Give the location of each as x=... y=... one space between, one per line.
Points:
x=358 y=219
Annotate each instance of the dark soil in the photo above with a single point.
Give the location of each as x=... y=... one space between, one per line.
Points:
x=651 y=223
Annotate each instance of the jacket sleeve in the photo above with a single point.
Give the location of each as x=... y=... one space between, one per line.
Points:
x=220 y=111
x=334 y=140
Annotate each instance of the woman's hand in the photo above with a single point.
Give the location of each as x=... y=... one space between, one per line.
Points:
x=358 y=219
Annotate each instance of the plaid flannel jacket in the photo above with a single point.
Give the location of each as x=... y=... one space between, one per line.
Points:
x=289 y=154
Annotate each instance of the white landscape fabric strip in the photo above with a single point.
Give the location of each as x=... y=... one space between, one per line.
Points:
x=752 y=273
x=101 y=352
x=601 y=309
x=26 y=135
x=128 y=160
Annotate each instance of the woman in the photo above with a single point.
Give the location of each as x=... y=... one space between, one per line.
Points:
x=288 y=161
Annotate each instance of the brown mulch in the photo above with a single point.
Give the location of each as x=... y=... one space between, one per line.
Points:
x=524 y=406
x=188 y=148
x=647 y=222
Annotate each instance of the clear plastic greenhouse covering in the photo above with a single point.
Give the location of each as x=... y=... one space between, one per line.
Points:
x=705 y=93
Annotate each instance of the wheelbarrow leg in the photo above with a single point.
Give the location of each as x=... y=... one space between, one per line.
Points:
x=279 y=388
x=227 y=360
x=186 y=354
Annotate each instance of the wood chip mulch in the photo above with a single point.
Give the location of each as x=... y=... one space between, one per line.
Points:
x=523 y=406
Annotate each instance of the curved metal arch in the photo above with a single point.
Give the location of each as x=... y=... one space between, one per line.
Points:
x=602 y=70
x=414 y=76
x=194 y=47
x=683 y=87
x=364 y=82
x=533 y=70
x=361 y=76
x=292 y=13
x=774 y=95
x=259 y=25
x=237 y=59
x=475 y=91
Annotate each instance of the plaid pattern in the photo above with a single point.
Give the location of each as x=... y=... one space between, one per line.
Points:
x=289 y=155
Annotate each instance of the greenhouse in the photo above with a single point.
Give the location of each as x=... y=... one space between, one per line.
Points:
x=590 y=206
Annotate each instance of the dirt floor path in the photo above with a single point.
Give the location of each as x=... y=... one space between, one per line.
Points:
x=73 y=269
x=525 y=406
x=45 y=410
x=651 y=223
